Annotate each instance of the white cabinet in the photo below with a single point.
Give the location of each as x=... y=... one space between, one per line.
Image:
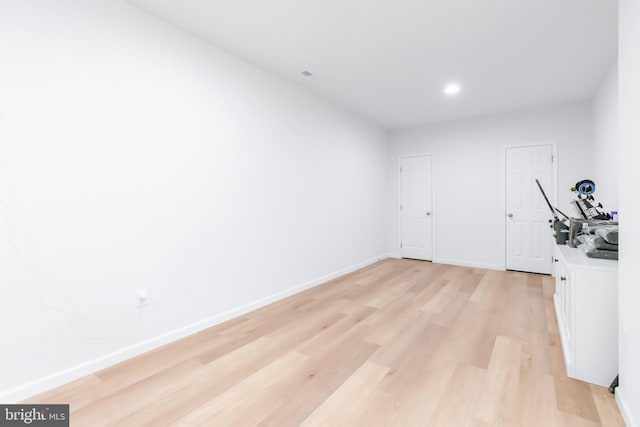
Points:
x=586 y=302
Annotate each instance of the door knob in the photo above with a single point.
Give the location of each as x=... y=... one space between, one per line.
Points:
x=510 y=215
x=428 y=213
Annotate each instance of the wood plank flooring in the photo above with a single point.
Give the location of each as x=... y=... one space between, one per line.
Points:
x=399 y=343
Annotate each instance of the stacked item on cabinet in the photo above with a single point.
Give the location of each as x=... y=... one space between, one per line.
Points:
x=599 y=240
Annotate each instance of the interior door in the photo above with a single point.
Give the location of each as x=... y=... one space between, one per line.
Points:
x=416 y=207
x=529 y=241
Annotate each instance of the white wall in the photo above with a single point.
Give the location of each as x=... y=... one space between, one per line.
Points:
x=133 y=155
x=469 y=217
x=605 y=141
x=628 y=394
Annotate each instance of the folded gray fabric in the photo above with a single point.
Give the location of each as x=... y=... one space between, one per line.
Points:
x=596 y=242
x=608 y=233
x=601 y=253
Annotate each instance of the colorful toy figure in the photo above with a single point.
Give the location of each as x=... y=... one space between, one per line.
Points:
x=583 y=205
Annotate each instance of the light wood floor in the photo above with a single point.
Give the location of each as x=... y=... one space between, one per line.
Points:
x=399 y=343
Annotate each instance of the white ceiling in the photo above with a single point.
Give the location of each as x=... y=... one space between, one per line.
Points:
x=388 y=60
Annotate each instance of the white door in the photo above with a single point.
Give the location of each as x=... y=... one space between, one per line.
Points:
x=529 y=242
x=415 y=207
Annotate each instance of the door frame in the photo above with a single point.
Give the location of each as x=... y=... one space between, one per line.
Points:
x=554 y=188
x=433 y=203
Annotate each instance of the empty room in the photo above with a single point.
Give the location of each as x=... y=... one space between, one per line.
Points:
x=279 y=213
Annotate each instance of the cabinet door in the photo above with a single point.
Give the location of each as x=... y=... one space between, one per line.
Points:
x=569 y=304
x=566 y=305
x=564 y=311
x=561 y=289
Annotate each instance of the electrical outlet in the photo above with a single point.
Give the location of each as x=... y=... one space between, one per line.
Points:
x=143 y=297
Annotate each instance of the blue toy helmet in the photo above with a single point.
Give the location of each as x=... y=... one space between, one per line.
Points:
x=585 y=187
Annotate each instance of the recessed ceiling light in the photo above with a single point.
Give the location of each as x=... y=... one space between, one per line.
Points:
x=306 y=73
x=452 y=88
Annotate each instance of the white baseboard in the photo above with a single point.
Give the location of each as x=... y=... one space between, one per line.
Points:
x=627 y=415
x=468 y=264
x=454 y=262
x=65 y=376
